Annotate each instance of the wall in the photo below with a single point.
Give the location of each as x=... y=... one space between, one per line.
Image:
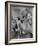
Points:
x=2 y=23
x=37 y=22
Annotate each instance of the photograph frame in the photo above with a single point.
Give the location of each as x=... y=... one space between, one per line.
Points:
x=6 y=22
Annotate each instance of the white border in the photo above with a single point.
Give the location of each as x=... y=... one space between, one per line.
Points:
x=34 y=25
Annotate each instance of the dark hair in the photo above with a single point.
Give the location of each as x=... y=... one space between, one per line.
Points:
x=22 y=16
x=18 y=18
x=21 y=21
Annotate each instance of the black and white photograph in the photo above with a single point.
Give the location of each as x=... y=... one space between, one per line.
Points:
x=20 y=24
